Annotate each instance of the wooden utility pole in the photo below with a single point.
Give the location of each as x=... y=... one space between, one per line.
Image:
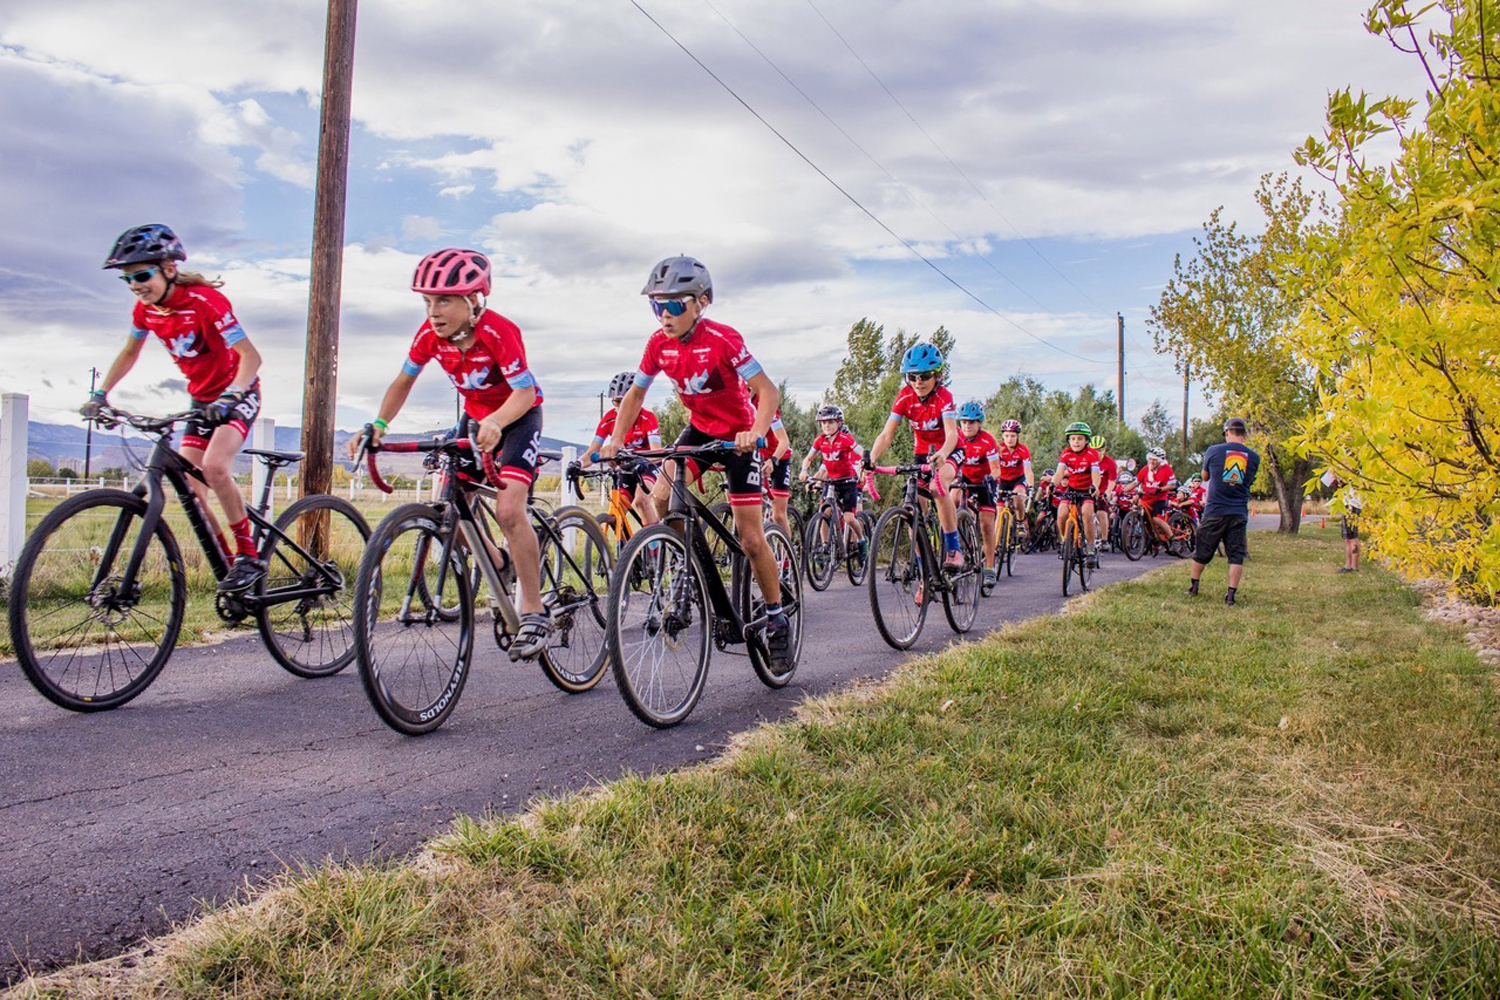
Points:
x=1120 y=322
x=1185 y=369
x=321 y=373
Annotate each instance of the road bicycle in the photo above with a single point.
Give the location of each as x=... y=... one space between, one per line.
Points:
x=906 y=573
x=621 y=520
x=1042 y=517
x=828 y=541
x=1075 y=557
x=670 y=603
x=1012 y=533
x=418 y=585
x=98 y=596
x=966 y=497
x=1138 y=535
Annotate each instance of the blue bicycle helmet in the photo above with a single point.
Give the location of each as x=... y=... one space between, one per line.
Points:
x=971 y=410
x=921 y=358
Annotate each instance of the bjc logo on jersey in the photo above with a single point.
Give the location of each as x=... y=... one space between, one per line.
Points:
x=476 y=379
x=694 y=384
x=182 y=347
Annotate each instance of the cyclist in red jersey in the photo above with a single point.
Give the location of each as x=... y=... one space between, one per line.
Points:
x=1109 y=474
x=1153 y=480
x=839 y=452
x=979 y=465
x=928 y=405
x=484 y=357
x=1077 y=481
x=646 y=433
x=1017 y=480
x=714 y=375
x=187 y=313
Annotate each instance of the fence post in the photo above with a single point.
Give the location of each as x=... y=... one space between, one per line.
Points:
x=13 y=486
x=263 y=436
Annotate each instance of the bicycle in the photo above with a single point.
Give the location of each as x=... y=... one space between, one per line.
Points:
x=669 y=605
x=963 y=490
x=1138 y=533
x=1012 y=535
x=826 y=547
x=906 y=575
x=1075 y=557
x=99 y=593
x=415 y=638
x=1043 y=519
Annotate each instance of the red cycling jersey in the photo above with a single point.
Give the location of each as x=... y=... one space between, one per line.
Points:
x=1154 y=481
x=1080 y=465
x=644 y=433
x=776 y=440
x=487 y=373
x=1109 y=472
x=198 y=326
x=709 y=368
x=926 y=416
x=1013 y=461
x=839 y=452
x=975 y=455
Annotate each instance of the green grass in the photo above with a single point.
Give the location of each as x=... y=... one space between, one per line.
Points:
x=1145 y=796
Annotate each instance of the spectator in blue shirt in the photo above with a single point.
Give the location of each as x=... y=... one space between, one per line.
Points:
x=1228 y=470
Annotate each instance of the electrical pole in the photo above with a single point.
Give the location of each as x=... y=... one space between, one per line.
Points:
x=1120 y=321
x=88 y=436
x=601 y=406
x=1185 y=370
x=321 y=372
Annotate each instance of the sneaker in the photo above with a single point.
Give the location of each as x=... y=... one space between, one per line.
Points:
x=1345 y=569
x=531 y=638
x=1192 y=592
x=1228 y=598
x=244 y=574
x=954 y=560
x=779 y=643
x=989 y=580
x=863 y=549
x=1094 y=559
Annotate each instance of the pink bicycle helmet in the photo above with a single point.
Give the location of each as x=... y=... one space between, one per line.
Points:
x=1010 y=425
x=452 y=272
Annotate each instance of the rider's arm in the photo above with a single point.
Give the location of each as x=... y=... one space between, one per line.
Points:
x=122 y=364
x=950 y=439
x=883 y=441
x=249 y=362
x=513 y=409
x=390 y=405
x=1030 y=474
x=630 y=408
x=767 y=399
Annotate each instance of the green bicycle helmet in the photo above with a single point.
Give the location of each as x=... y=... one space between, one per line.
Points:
x=1078 y=427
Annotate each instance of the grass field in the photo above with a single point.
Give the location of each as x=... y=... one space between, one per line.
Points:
x=1144 y=796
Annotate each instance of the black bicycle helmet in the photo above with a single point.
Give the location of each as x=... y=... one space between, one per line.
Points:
x=145 y=245
x=830 y=412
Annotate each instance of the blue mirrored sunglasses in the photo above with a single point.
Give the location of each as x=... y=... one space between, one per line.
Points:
x=139 y=276
x=672 y=307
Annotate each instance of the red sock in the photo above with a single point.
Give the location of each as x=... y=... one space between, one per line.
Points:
x=224 y=545
x=244 y=544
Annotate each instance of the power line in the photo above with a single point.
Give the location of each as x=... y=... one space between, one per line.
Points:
x=853 y=200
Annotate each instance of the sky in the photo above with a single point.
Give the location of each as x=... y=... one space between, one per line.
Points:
x=1016 y=172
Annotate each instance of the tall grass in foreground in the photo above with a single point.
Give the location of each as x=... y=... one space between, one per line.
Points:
x=1146 y=796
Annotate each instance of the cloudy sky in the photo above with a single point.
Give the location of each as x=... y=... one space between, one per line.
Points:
x=1047 y=160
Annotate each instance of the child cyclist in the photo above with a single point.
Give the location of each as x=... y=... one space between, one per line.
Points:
x=483 y=355
x=714 y=376
x=646 y=433
x=1016 y=477
x=1109 y=471
x=839 y=452
x=925 y=402
x=1153 y=480
x=197 y=324
x=1079 y=475
x=979 y=463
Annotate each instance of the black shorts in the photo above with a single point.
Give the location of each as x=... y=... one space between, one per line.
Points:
x=845 y=494
x=198 y=429
x=1009 y=486
x=1227 y=528
x=781 y=477
x=1350 y=527
x=741 y=471
x=1079 y=497
x=630 y=480
x=981 y=494
x=515 y=459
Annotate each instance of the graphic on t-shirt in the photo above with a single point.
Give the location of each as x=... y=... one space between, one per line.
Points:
x=184 y=346
x=1235 y=464
x=476 y=379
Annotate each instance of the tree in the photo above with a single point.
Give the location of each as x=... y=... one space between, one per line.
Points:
x=868 y=379
x=1226 y=315
x=672 y=418
x=1045 y=413
x=1402 y=323
x=39 y=468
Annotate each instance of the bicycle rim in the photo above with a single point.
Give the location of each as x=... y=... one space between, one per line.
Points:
x=821 y=546
x=896 y=580
x=752 y=605
x=855 y=566
x=572 y=565
x=1068 y=545
x=961 y=595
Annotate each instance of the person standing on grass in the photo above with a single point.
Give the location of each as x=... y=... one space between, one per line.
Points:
x=1352 y=507
x=1229 y=470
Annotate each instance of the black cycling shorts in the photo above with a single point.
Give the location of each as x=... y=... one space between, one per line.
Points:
x=515 y=459
x=198 y=429
x=845 y=494
x=1230 y=529
x=781 y=477
x=981 y=494
x=741 y=470
x=1009 y=486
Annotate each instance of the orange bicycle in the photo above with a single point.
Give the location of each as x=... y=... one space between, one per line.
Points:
x=1075 y=557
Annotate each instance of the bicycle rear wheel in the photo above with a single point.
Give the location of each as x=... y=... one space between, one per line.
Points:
x=897 y=579
x=961 y=593
x=1005 y=540
x=857 y=553
x=413 y=658
x=751 y=605
x=84 y=640
x=306 y=616
x=821 y=548
x=660 y=627
x=573 y=563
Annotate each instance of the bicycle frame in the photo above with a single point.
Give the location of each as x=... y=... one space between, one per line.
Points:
x=922 y=519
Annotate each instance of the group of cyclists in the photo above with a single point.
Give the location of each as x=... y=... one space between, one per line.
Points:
x=728 y=396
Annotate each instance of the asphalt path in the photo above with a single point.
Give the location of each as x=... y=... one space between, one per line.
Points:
x=118 y=825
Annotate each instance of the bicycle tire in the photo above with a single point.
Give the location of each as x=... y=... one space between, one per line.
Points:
x=797 y=531
x=1182 y=546
x=1005 y=538
x=1133 y=535
x=855 y=566
x=899 y=594
x=961 y=595
x=1069 y=545
x=81 y=644
x=652 y=618
x=312 y=636
x=413 y=659
x=822 y=550
x=751 y=605
x=574 y=657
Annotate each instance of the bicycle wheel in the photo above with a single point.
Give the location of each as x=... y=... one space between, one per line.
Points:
x=306 y=618
x=897 y=580
x=1069 y=547
x=1005 y=525
x=821 y=548
x=961 y=594
x=573 y=563
x=660 y=627
x=413 y=658
x=84 y=640
x=1133 y=535
x=1184 y=534
x=1082 y=568
x=751 y=605
x=857 y=553
x=797 y=532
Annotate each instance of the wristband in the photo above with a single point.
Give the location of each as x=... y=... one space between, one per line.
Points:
x=377 y=422
x=97 y=394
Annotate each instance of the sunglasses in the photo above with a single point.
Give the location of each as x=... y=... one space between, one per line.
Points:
x=672 y=307
x=140 y=276
x=921 y=376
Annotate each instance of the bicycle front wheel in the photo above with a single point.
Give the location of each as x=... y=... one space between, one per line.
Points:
x=821 y=548
x=306 y=615
x=897 y=579
x=1133 y=535
x=857 y=553
x=660 y=627
x=413 y=656
x=1184 y=534
x=1069 y=549
x=961 y=594
x=86 y=639
x=576 y=562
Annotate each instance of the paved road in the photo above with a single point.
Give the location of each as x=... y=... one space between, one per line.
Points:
x=116 y=825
